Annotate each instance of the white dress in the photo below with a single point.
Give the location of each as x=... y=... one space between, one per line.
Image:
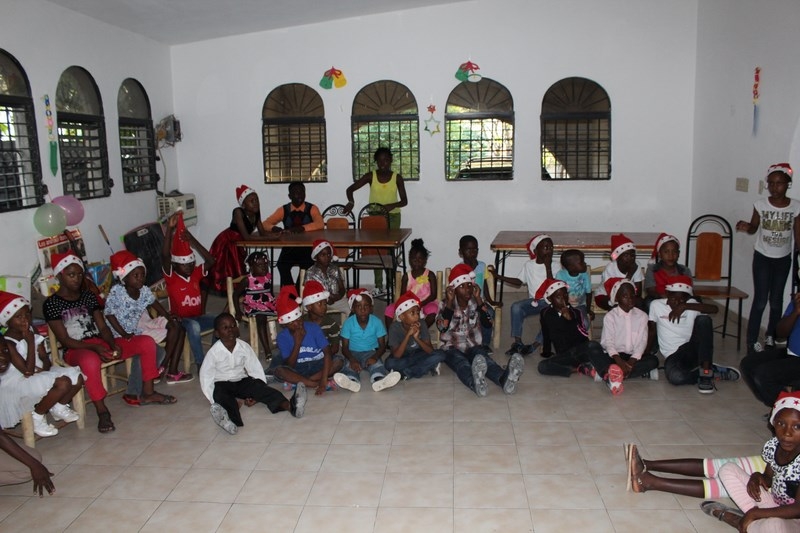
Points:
x=19 y=394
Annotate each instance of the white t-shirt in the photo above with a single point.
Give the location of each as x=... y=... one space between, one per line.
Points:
x=613 y=271
x=775 y=232
x=672 y=335
x=533 y=274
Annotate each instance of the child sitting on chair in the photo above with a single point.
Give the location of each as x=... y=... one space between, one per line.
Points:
x=579 y=285
x=329 y=275
x=540 y=267
x=182 y=278
x=363 y=345
x=31 y=383
x=419 y=281
x=623 y=265
x=258 y=300
x=468 y=251
x=410 y=350
x=305 y=354
x=231 y=371
x=664 y=264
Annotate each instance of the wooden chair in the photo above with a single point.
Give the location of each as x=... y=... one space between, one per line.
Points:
x=272 y=322
x=709 y=251
x=398 y=282
x=373 y=216
x=106 y=375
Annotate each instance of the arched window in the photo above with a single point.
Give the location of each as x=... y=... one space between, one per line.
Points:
x=385 y=115
x=82 y=136
x=479 y=132
x=576 y=131
x=20 y=167
x=293 y=131
x=136 y=143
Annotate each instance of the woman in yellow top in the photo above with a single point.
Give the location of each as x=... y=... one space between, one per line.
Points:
x=386 y=188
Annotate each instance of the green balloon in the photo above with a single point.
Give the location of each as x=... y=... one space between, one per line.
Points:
x=49 y=220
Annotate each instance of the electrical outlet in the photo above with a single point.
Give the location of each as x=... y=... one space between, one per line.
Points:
x=742 y=184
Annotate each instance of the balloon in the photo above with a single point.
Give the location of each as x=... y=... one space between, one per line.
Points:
x=49 y=220
x=72 y=207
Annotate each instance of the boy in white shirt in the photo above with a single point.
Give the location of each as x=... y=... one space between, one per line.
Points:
x=231 y=371
x=623 y=265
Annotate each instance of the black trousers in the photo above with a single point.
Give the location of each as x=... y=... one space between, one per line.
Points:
x=290 y=257
x=226 y=393
x=768 y=372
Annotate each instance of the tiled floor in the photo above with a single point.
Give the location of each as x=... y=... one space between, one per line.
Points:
x=427 y=456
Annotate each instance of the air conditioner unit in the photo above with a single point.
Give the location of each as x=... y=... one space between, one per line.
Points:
x=167 y=205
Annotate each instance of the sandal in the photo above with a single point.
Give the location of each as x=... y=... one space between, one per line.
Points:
x=710 y=506
x=166 y=399
x=131 y=400
x=104 y=423
x=634 y=478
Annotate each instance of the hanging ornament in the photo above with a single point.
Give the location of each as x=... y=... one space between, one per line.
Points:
x=756 y=81
x=431 y=124
x=333 y=77
x=51 y=136
x=468 y=72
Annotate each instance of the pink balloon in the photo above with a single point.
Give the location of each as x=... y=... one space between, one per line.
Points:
x=72 y=207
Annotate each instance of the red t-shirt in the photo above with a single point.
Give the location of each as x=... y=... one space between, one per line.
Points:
x=184 y=294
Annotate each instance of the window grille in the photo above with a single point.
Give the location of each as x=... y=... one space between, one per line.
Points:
x=136 y=138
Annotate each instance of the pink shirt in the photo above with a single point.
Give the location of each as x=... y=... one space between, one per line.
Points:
x=625 y=332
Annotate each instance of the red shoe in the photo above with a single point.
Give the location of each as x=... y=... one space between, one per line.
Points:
x=131 y=400
x=614 y=379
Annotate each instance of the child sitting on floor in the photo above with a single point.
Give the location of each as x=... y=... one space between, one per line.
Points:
x=666 y=253
x=623 y=265
x=182 y=279
x=315 y=302
x=410 y=350
x=419 y=281
x=258 y=300
x=624 y=336
x=31 y=383
x=329 y=275
x=684 y=332
x=540 y=267
x=363 y=345
x=562 y=325
x=461 y=318
x=579 y=285
x=305 y=354
x=468 y=251
x=231 y=371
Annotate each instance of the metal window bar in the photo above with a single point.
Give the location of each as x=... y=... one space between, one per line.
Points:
x=20 y=167
x=84 y=158
x=576 y=148
x=479 y=147
x=138 y=155
x=400 y=134
x=295 y=150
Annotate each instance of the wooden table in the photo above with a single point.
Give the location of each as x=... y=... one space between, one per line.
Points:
x=392 y=240
x=592 y=243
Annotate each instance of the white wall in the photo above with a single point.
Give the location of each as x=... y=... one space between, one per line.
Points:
x=47 y=39
x=641 y=52
x=734 y=38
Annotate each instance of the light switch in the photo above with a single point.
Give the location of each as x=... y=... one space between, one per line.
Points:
x=742 y=184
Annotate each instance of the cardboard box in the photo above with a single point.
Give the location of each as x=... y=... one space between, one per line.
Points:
x=20 y=285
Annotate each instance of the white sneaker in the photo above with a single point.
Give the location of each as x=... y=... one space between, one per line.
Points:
x=64 y=412
x=654 y=374
x=389 y=380
x=515 y=367
x=220 y=416
x=346 y=383
x=437 y=371
x=42 y=427
x=757 y=347
x=769 y=342
x=479 y=368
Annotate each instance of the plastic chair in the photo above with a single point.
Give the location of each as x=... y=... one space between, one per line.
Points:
x=709 y=251
x=373 y=216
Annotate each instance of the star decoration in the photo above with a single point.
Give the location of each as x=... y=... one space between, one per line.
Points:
x=431 y=109
x=432 y=126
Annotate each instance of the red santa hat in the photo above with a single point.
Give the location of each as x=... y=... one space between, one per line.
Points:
x=619 y=245
x=60 y=261
x=10 y=303
x=314 y=292
x=786 y=168
x=460 y=274
x=548 y=287
x=613 y=285
x=786 y=400
x=288 y=305
x=679 y=284
x=181 y=249
x=534 y=242
x=242 y=192
x=318 y=246
x=663 y=239
x=355 y=295
x=124 y=262
x=407 y=301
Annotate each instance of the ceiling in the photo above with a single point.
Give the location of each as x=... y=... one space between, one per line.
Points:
x=184 y=21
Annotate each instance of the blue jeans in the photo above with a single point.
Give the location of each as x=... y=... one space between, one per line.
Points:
x=461 y=363
x=769 y=280
x=682 y=367
x=376 y=370
x=416 y=364
x=135 y=377
x=193 y=327
x=486 y=332
x=522 y=309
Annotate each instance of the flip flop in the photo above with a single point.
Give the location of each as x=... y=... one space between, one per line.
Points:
x=104 y=423
x=626 y=450
x=709 y=506
x=166 y=400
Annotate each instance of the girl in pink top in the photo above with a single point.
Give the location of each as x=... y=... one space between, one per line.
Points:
x=420 y=281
